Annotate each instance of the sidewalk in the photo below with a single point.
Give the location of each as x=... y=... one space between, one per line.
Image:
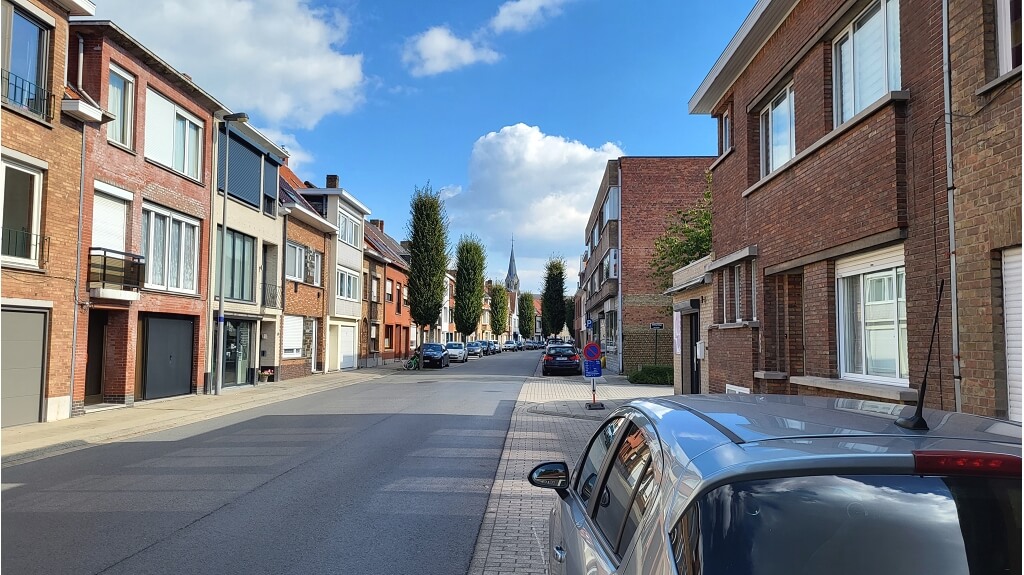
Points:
x=25 y=443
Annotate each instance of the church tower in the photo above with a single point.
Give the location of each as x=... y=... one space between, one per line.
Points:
x=512 y=287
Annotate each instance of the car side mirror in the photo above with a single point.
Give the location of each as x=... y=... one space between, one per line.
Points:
x=551 y=475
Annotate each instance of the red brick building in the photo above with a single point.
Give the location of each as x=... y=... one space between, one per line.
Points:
x=395 y=319
x=309 y=239
x=43 y=121
x=831 y=230
x=985 y=58
x=145 y=224
x=635 y=201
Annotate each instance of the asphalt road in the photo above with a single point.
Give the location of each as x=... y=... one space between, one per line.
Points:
x=389 y=476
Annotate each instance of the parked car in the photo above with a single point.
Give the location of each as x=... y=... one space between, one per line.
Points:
x=435 y=354
x=495 y=346
x=457 y=351
x=509 y=346
x=520 y=346
x=474 y=349
x=561 y=358
x=754 y=484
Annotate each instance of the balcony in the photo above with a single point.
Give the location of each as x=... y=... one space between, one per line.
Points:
x=26 y=96
x=115 y=275
x=23 y=247
x=595 y=301
x=609 y=239
x=271 y=295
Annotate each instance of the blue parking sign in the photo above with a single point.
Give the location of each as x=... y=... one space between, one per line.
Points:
x=591 y=368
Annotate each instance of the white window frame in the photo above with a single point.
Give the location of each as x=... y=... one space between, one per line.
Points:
x=318 y=267
x=290 y=351
x=346 y=284
x=172 y=217
x=349 y=229
x=753 y=289
x=891 y=74
x=298 y=263
x=737 y=292
x=375 y=289
x=786 y=97
x=874 y=263
x=729 y=388
x=725 y=126
x=389 y=287
x=1004 y=35
x=189 y=169
x=46 y=25
x=126 y=113
x=35 y=237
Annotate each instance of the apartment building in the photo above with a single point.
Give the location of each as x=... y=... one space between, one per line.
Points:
x=831 y=229
x=985 y=176
x=43 y=123
x=635 y=199
x=309 y=239
x=347 y=213
x=396 y=321
x=145 y=223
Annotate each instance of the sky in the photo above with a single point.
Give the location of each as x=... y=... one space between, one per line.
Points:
x=510 y=109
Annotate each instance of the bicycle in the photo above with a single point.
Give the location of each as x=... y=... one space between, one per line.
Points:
x=412 y=363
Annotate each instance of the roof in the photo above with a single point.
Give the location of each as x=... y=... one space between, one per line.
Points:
x=512 y=278
x=340 y=192
x=386 y=246
x=293 y=200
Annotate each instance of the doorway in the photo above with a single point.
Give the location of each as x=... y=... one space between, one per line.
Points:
x=237 y=352
x=94 y=361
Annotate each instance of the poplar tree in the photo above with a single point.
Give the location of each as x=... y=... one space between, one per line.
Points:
x=527 y=315
x=499 y=308
x=428 y=257
x=469 y=284
x=552 y=301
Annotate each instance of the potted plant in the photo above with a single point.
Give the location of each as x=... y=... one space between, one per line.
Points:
x=266 y=374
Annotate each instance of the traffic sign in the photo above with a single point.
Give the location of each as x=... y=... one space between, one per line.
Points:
x=590 y=323
x=592 y=351
x=657 y=326
x=592 y=368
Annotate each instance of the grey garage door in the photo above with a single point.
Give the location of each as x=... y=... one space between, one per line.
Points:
x=22 y=346
x=168 y=357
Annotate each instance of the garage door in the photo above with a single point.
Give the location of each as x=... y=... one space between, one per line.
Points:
x=1012 y=325
x=22 y=350
x=348 y=347
x=169 y=357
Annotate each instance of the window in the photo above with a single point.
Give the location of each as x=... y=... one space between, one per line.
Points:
x=292 y=336
x=174 y=137
x=729 y=388
x=170 y=244
x=405 y=296
x=725 y=135
x=239 y=265
x=347 y=285
x=375 y=289
x=631 y=463
x=25 y=62
x=1008 y=34
x=23 y=193
x=586 y=479
x=872 y=309
x=398 y=300
x=294 y=262
x=374 y=334
x=389 y=336
x=120 y=103
x=318 y=267
x=737 y=293
x=348 y=230
x=778 y=132
x=389 y=295
x=866 y=59
x=753 y=289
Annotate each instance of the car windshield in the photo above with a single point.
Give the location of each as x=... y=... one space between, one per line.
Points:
x=454 y=345
x=432 y=347
x=853 y=525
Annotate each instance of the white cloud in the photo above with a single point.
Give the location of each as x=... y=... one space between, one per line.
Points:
x=537 y=186
x=297 y=155
x=280 y=58
x=522 y=15
x=449 y=191
x=438 y=50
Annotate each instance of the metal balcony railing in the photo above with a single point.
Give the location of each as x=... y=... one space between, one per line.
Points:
x=21 y=244
x=271 y=295
x=23 y=94
x=112 y=269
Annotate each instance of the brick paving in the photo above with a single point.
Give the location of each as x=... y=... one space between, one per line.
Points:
x=550 y=422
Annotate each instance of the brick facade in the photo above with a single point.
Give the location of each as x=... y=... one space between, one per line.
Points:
x=308 y=298
x=987 y=215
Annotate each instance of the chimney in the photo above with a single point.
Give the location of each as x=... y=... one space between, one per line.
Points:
x=332 y=181
x=379 y=224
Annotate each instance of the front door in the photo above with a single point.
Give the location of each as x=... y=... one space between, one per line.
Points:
x=347 y=353
x=694 y=326
x=237 y=352
x=94 y=363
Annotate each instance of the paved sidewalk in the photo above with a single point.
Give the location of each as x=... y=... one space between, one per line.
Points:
x=550 y=423
x=31 y=442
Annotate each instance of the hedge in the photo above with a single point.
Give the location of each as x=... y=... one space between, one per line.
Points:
x=652 y=375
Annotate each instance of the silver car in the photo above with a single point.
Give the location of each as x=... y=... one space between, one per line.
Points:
x=457 y=351
x=753 y=484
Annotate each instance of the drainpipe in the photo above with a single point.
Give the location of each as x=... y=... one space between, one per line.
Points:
x=947 y=89
x=78 y=252
x=618 y=321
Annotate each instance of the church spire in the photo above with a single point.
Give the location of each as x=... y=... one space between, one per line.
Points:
x=512 y=279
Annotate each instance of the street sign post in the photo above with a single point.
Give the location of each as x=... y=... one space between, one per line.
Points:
x=590 y=323
x=592 y=370
x=656 y=327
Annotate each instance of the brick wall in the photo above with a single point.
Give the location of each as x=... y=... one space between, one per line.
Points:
x=987 y=159
x=731 y=355
x=303 y=298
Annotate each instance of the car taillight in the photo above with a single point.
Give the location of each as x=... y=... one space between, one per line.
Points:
x=574 y=358
x=966 y=463
x=548 y=357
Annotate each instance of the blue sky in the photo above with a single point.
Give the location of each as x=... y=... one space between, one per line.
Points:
x=512 y=107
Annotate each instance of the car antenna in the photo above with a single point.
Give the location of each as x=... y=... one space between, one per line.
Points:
x=917 y=421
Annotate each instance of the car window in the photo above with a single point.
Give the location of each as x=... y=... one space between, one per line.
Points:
x=631 y=462
x=884 y=525
x=586 y=480
x=432 y=347
x=562 y=351
x=454 y=345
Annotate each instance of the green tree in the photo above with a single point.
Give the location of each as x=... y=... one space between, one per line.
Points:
x=527 y=315
x=469 y=284
x=428 y=257
x=570 y=313
x=552 y=300
x=499 y=308
x=686 y=239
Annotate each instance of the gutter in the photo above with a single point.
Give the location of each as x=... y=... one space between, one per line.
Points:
x=947 y=90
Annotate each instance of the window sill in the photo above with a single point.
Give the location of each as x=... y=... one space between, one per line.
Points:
x=173 y=171
x=28 y=115
x=879 y=390
x=1007 y=77
x=736 y=325
x=724 y=155
x=122 y=147
x=162 y=290
x=864 y=114
x=20 y=265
